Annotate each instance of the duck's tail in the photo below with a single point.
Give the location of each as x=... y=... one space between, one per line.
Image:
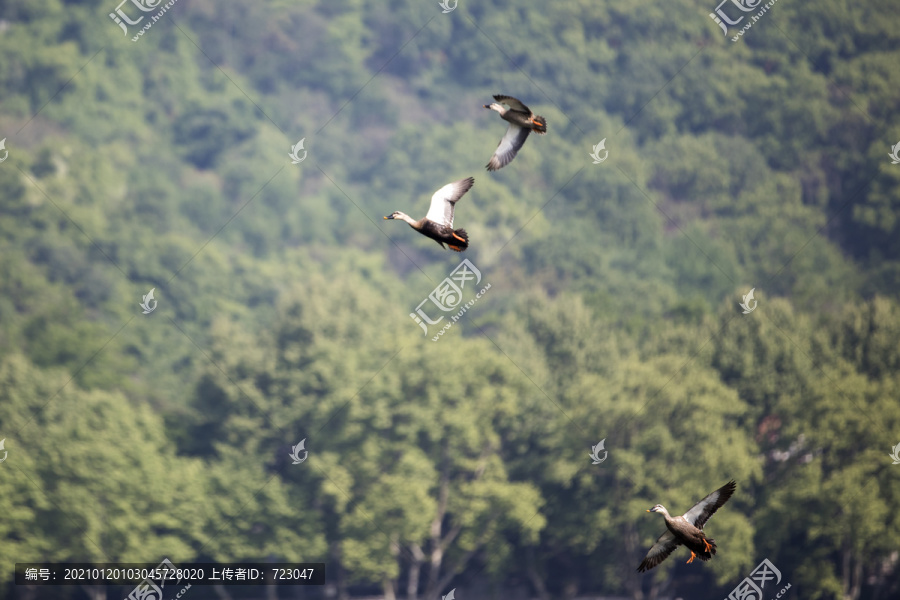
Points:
x=460 y=240
x=539 y=124
x=710 y=550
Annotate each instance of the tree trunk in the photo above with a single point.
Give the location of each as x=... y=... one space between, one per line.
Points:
x=440 y=541
x=851 y=573
x=857 y=579
x=632 y=581
x=340 y=578
x=271 y=592
x=389 y=584
x=437 y=548
x=389 y=588
x=537 y=580
x=415 y=568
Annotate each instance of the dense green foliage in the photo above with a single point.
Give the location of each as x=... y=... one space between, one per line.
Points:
x=284 y=298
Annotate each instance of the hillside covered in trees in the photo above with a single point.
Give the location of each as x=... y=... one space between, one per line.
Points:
x=285 y=308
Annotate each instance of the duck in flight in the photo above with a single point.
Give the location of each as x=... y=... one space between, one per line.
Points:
x=687 y=529
x=438 y=223
x=521 y=122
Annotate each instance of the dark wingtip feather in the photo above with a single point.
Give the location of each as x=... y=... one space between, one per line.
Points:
x=729 y=488
x=645 y=566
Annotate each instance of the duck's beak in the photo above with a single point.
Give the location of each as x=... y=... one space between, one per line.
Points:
x=389 y=217
x=486 y=105
x=648 y=510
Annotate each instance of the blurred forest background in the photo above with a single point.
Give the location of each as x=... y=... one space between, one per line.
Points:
x=284 y=298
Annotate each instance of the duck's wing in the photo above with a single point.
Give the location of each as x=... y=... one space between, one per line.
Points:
x=444 y=200
x=510 y=144
x=512 y=103
x=703 y=510
x=663 y=547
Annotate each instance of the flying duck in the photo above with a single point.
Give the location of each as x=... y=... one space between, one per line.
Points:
x=438 y=223
x=687 y=529
x=521 y=122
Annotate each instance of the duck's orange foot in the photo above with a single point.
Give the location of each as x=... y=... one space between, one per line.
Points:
x=691 y=559
x=708 y=548
x=459 y=238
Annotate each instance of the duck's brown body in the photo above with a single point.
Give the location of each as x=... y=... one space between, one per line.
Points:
x=456 y=239
x=529 y=121
x=692 y=537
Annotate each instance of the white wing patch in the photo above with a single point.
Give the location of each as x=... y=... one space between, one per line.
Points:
x=444 y=200
x=698 y=509
x=700 y=513
x=510 y=144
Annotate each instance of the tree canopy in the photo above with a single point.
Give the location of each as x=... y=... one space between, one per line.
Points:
x=613 y=313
